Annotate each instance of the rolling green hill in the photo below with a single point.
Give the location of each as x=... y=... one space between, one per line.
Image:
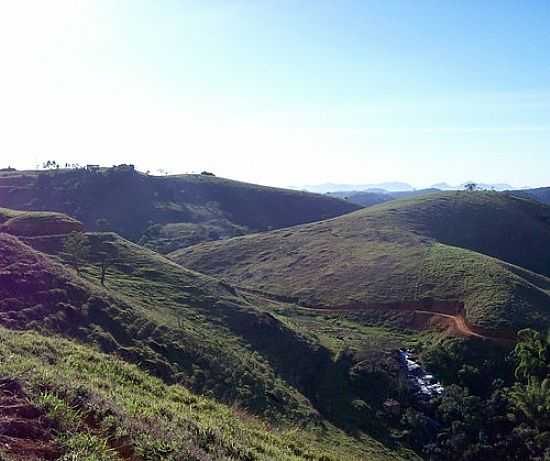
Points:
x=197 y=335
x=484 y=255
x=164 y=213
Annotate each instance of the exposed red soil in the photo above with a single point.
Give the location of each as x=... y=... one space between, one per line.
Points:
x=428 y=314
x=457 y=323
x=25 y=431
x=440 y=317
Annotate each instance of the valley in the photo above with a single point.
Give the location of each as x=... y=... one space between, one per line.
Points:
x=412 y=254
x=274 y=230
x=276 y=345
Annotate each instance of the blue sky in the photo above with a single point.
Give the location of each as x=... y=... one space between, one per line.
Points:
x=282 y=92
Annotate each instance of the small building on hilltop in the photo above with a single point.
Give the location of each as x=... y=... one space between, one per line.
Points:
x=124 y=168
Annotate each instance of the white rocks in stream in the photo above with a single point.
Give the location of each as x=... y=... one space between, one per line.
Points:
x=421 y=381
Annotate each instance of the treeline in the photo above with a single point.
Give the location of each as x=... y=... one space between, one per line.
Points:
x=498 y=408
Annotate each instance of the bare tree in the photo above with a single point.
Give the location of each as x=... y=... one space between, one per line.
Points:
x=107 y=256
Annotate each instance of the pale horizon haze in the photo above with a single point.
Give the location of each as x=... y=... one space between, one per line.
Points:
x=281 y=93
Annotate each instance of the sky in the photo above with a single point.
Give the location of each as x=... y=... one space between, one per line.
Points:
x=281 y=92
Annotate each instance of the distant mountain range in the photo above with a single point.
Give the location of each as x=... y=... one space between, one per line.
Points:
x=370 y=197
x=393 y=186
x=397 y=186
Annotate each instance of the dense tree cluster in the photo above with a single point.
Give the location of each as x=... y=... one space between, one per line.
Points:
x=506 y=418
x=51 y=164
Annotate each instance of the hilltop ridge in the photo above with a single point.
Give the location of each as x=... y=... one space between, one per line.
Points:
x=164 y=212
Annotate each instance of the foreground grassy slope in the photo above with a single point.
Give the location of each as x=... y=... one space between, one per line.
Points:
x=192 y=330
x=104 y=409
x=165 y=213
x=438 y=251
x=169 y=319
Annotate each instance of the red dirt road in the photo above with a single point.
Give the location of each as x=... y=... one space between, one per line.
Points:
x=451 y=313
x=458 y=321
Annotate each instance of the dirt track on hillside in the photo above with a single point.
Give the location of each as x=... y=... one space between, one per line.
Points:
x=459 y=323
x=456 y=323
x=451 y=313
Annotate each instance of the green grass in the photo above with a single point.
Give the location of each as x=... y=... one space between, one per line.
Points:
x=165 y=238
x=416 y=252
x=190 y=329
x=225 y=373
x=352 y=331
x=496 y=295
x=180 y=325
x=99 y=402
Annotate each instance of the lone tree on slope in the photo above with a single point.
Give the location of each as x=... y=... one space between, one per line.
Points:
x=107 y=257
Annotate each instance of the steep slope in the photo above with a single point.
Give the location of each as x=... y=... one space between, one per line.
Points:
x=504 y=226
x=193 y=330
x=25 y=430
x=164 y=213
x=62 y=400
x=436 y=252
x=170 y=319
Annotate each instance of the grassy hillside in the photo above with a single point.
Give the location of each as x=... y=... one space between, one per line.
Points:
x=504 y=226
x=436 y=252
x=542 y=194
x=192 y=330
x=165 y=213
x=68 y=401
x=169 y=319
x=363 y=198
x=370 y=198
x=34 y=223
